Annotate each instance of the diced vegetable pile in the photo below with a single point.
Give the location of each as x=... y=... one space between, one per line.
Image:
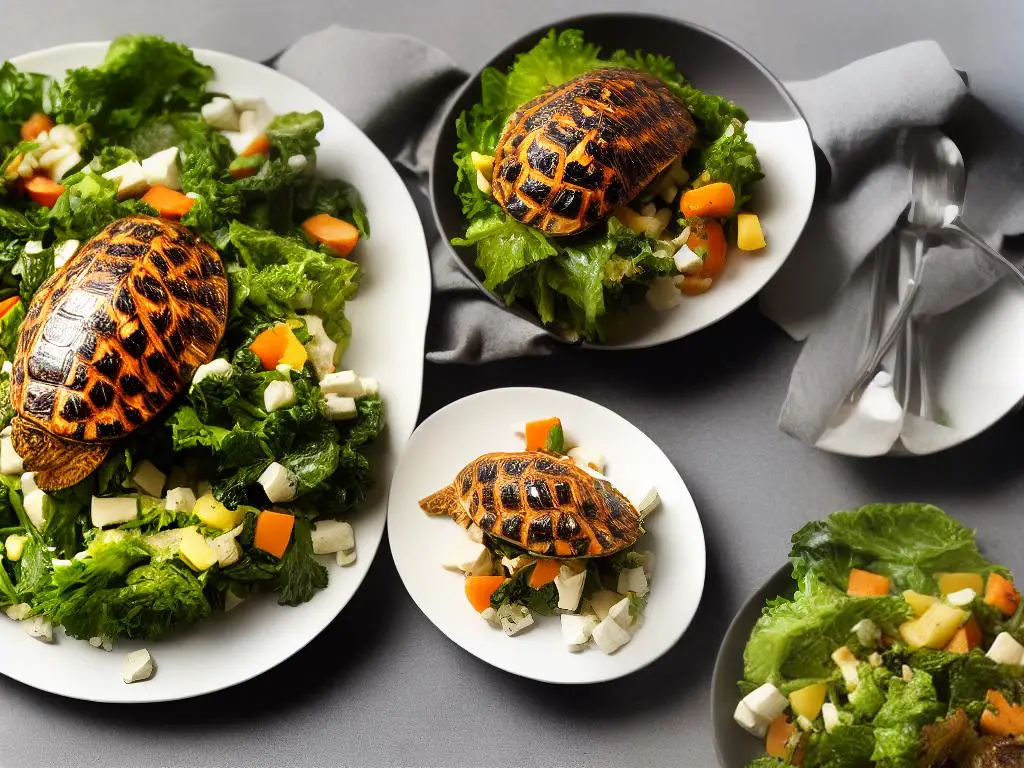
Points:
x=901 y=648
x=671 y=240
x=238 y=484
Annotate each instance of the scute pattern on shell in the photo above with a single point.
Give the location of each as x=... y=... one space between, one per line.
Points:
x=112 y=337
x=546 y=505
x=569 y=157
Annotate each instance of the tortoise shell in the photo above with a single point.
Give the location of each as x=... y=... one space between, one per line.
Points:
x=541 y=503
x=570 y=156
x=111 y=338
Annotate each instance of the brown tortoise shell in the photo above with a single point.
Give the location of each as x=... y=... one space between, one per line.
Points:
x=569 y=157
x=544 y=504
x=112 y=337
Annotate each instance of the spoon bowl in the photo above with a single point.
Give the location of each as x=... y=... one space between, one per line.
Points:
x=939 y=180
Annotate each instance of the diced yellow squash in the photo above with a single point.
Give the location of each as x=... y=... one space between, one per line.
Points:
x=749 y=236
x=294 y=354
x=194 y=551
x=918 y=602
x=807 y=701
x=954 y=582
x=215 y=514
x=935 y=628
x=651 y=226
x=483 y=163
x=14 y=546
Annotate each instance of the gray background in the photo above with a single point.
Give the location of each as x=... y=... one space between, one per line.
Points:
x=381 y=686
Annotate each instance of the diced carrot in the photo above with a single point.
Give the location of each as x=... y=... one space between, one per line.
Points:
x=544 y=572
x=695 y=285
x=537 y=432
x=169 y=203
x=270 y=344
x=867 y=584
x=241 y=170
x=717 y=199
x=11 y=173
x=1001 y=718
x=480 y=588
x=273 y=532
x=1001 y=594
x=258 y=146
x=8 y=304
x=966 y=638
x=710 y=236
x=44 y=190
x=337 y=234
x=35 y=125
x=780 y=731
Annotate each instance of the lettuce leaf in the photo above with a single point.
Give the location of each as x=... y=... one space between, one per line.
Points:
x=295 y=133
x=21 y=94
x=847 y=746
x=909 y=706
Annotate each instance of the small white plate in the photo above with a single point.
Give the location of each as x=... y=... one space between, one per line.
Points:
x=482 y=423
x=389 y=320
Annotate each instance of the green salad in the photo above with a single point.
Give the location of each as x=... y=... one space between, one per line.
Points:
x=652 y=245
x=901 y=648
x=236 y=484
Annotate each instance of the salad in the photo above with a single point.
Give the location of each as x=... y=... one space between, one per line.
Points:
x=667 y=241
x=235 y=485
x=901 y=647
x=596 y=583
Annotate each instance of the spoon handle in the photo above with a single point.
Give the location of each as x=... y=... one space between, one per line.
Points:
x=977 y=240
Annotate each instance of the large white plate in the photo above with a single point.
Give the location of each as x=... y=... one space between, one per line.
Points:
x=482 y=423
x=389 y=319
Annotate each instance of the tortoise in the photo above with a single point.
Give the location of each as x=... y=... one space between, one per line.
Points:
x=570 y=156
x=541 y=503
x=109 y=340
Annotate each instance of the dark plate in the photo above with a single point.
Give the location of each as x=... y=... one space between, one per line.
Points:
x=707 y=59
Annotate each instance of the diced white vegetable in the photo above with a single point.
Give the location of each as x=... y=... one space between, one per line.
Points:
x=875 y=659
x=162 y=168
x=63 y=167
x=7 y=368
x=609 y=636
x=340 y=408
x=10 y=462
x=28 y=483
x=219 y=367
x=620 y=613
x=84 y=554
x=468 y=557
x=62 y=253
x=148 y=479
x=18 y=611
x=226 y=547
x=298 y=163
x=181 y=499
x=514 y=618
x=220 y=113
x=254 y=115
x=52 y=155
x=66 y=135
x=687 y=261
x=764 y=704
x=906 y=673
x=39 y=628
x=804 y=723
x=278 y=483
x=830 y=715
x=576 y=630
x=649 y=209
x=138 y=666
x=346 y=558
x=278 y=394
x=59 y=562
x=515 y=564
x=232 y=601
x=131 y=181
x=585 y=457
x=482 y=183
x=868 y=633
x=748 y=721
x=489 y=615
x=35 y=508
x=475 y=533
x=102 y=642
x=847 y=664
x=962 y=597
x=668 y=190
x=370 y=386
x=320 y=347
x=1006 y=650
x=662 y=294
x=602 y=601
x=644 y=498
x=33 y=247
x=632 y=580
x=14 y=547
x=345 y=383
x=113 y=511
x=330 y=536
x=239 y=140
x=570 y=588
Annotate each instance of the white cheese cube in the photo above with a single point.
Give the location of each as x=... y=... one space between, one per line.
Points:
x=748 y=721
x=49 y=157
x=35 y=508
x=469 y=558
x=620 y=613
x=220 y=113
x=7 y=368
x=219 y=368
x=181 y=499
x=570 y=588
x=632 y=580
x=340 y=408
x=101 y=642
x=10 y=462
x=585 y=457
x=489 y=615
x=515 y=564
x=298 y=163
x=138 y=666
x=14 y=547
x=18 y=611
x=62 y=253
x=662 y=294
x=28 y=483
x=868 y=633
x=346 y=558
x=253 y=115
x=82 y=555
x=278 y=483
x=131 y=181
x=33 y=247
x=687 y=262
x=344 y=383
x=1006 y=650
x=232 y=601
x=66 y=135
x=148 y=479
x=39 y=628
x=162 y=168
x=609 y=636
x=875 y=659
x=58 y=562
x=576 y=630
x=805 y=723
x=514 y=618
x=278 y=394
x=482 y=183
x=370 y=386
x=830 y=715
x=906 y=673
x=239 y=140
x=847 y=664
x=962 y=597
x=64 y=166
x=330 y=536
x=113 y=510
x=766 y=703
x=644 y=498
x=226 y=548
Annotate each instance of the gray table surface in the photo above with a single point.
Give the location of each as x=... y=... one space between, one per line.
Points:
x=381 y=686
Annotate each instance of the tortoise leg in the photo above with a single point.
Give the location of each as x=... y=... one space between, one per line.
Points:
x=445 y=502
x=57 y=463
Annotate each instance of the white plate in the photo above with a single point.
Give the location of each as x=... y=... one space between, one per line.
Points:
x=231 y=648
x=482 y=423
